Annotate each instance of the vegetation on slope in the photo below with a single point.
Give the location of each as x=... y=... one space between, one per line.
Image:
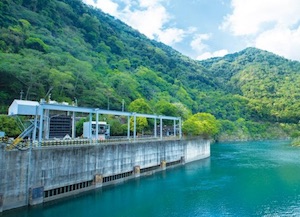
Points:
x=271 y=84
x=73 y=52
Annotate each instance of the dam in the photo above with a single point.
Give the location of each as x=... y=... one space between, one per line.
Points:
x=43 y=169
x=42 y=174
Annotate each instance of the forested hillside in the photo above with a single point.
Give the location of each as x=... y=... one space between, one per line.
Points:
x=270 y=83
x=74 y=52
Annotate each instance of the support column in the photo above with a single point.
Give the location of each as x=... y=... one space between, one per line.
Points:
x=41 y=112
x=137 y=171
x=134 y=127
x=46 y=123
x=179 y=126
x=97 y=126
x=35 y=124
x=1 y=203
x=128 y=127
x=161 y=128
x=155 y=127
x=163 y=165
x=174 y=128
x=182 y=160
x=98 y=180
x=90 y=126
x=73 y=126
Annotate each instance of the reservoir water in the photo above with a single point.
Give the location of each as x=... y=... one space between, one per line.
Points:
x=239 y=179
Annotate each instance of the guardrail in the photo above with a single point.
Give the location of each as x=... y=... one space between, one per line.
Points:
x=26 y=144
x=112 y=140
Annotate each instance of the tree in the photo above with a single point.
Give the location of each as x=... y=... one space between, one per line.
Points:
x=182 y=110
x=124 y=85
x=36 y=44
x=141 y=124
x=166 y=108
x=92 y=27
x=139 y=105
x=201 y=124
x=9 y=126
x=117 y=128
x=62 y=83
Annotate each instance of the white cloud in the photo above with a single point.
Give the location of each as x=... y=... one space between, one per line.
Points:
x=218 y=53
x=201 y=48
x=106 y=6
x=280 y=40
x=151 y=3
x=197 y=43
x=149 y=21
x=271 y=25
x=171 y=36
x=253 y=16
x=149 y=17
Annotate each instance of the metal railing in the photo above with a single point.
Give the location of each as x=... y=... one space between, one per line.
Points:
x=111 y=140
x=26 y=144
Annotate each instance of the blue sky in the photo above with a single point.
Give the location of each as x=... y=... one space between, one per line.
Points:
x=202 y=29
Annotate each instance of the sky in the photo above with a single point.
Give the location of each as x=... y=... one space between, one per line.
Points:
x=202 y=29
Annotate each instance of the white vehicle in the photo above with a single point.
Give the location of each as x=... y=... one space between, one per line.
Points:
x=103 y=130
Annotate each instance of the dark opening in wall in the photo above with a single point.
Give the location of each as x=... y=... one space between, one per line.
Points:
x=173 y=163
x=117 y=176
x=66 y=189
x=144 y=170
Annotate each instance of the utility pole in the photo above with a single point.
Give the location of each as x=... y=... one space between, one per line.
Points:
x=21 y=95
x=76 y=102
x=123 y=105
x=107 y=102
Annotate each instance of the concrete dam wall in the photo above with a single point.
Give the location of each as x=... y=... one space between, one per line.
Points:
x=42 y=174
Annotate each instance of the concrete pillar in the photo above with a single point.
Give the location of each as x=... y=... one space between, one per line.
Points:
x=174 y=128
x=97 y=127
x=36 y=195
x=35 y=124
x=155 y=128
x=73 y=126
x=98 y=180
x=1 y=203
x=179 y=125
x=161 y=128
x=137 y=171
x=128 y=127
x=41 y=113
x=134 y=127
x=46 y=123
x=163 y=165
x=182 y=160
x=90 y=126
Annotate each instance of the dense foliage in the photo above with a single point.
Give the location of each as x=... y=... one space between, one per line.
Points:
x=201 y=124
x=269 y=85
x=76 y=52
x=72 y=52
x=9 y=126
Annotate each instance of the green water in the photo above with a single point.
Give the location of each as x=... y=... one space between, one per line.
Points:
x=240 y=179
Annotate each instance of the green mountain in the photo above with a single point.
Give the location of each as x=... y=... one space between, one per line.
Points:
x=269 y=82
x=74 y=52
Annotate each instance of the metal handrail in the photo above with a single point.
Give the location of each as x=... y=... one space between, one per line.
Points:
x=113 y=140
